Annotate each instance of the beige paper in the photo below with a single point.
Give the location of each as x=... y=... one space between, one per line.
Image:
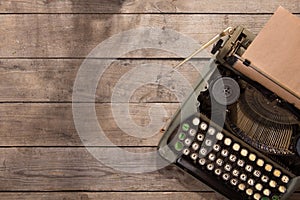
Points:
x=276 y=52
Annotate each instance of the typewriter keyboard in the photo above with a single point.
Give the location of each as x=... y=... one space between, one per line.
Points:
x=228 y=160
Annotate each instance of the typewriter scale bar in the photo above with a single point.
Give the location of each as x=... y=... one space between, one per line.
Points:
x=226 y=163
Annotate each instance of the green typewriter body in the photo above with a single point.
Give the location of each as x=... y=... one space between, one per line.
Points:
x=233 y=134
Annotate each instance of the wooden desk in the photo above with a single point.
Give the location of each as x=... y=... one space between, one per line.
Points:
x=43 y=44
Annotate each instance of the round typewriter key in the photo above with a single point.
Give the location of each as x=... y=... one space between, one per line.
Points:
x=260 y=162
x=241 y=163
x=203 y=126
x=257 y=173
x=232 y=158
x=233 y=181
x=282 y=189
x=235 y=172
x=188 y=141
x=202 y=161
x=200 y=137
x=268 y=167
x=277 y=173
x=186 y=152
x=196 y=121
x=185 y=127
x=250 y=181
x=243 y=177
x=249 y=168
x=195 y=146
x=211 y=156
x=226 y=176
x=224 y=152
x=219 y=136
x=242 y=186
x=244 y=152
x=257 y=196
x=192 y=132
x=272 y=184
x=275 y=197
x=179 y=146
x=236 y=147
x=210 y=166
x=219 y=162
x=208 y=142
x=228 y=167
x=258 y=186
x=265 y=179
x=249 y=191
x=267 y=192
x=218 y=172
x=216 y=147
x=194 y=156
x=181 y=136
x=285 y=179
x=227 y=141
x=211 y=131
x=203 y=151
x=252 y=157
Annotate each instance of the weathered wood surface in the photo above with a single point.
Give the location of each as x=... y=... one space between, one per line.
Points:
x=52 y=80
x=43 y=45
x=146 y=6
x=115 y=195
x=52 y=124
x=71 y=35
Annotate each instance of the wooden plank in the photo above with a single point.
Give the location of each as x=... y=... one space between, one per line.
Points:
x=145 y=6
x=76 y=35
x=73 y=169
x=114 y=195
x=52 y=80
x=52 y=124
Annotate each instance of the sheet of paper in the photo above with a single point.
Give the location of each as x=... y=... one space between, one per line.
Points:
x=276 y=52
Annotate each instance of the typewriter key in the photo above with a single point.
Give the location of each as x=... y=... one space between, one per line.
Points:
x=244 y=152
x=267 y=192
x=228 y=167
x=227 y=141
x=219 y=136
x=196 y=121
x=188 y=141
x=252 y=157
x=249 y=168
x=178 y=146
x=185 y=127
x=192 y=132
x=277 y=173
x=233 y=181
x=200 y=137
x=181 y=136
x=272 y=184
x=235 y=172
x=260 y=162
x=210 y=166
x=241 y=163
x=218 y=172
x=249 y=191
x=217 y=147
x=285 y=179
x=224 y=152
x=203 y=126
x=202 y=161
x=258 y=186
x=268 y=167
x=232 y=158
x=194 y=156
x=282 y=189
x=236 y=147
x=257 y=196
x=250 y=182
x=211 y=156
x=241 y=186
x=211 y=131
x=226 y=176
x=219 y=162
x=243 y=177
x=186 y=152
x=264 y=178
x=195 y=146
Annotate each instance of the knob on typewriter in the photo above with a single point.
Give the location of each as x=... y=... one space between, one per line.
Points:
x=298 y=146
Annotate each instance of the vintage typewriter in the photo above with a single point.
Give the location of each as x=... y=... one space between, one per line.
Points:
x=237 y=136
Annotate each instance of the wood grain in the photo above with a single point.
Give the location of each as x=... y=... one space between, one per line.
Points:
x=52 y=124
x=114 y=195
x=52 y=80
x=145 y=6
x=73 y=36
x=74 y=169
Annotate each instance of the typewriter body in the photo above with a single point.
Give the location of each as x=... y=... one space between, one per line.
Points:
x=234 y=134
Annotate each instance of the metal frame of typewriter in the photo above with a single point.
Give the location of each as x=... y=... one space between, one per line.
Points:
x=223 y=51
